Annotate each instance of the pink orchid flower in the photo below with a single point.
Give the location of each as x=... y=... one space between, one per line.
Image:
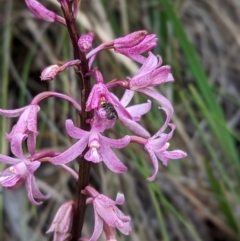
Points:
x=62 y=222
x=100 y=94
x=131 y=45
x=106 y=213
x=21 y=171
x=99 y=148
x=157 y=147
x=135 y=112
x=133 y=49
x=26 y=128
x=149 y=75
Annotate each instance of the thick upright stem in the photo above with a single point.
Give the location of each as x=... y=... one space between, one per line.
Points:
x=85 y=85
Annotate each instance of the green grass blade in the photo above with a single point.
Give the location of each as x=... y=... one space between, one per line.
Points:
x=202 y=82
x=221 y=198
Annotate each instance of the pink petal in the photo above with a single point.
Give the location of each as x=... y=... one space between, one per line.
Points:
x=32 y=166
x=162 y=158
x=172 y=155
x=32 y=118
x=150 y=63
x=122 y=111
x=120 y=199
x=155 y=95
x=104 y=201
x=176 y=154
x=136 y=111
x=9 y=160
x=99 y=90
x=33 y=191
x=16 y=145
x=166 y=124
x=40 y=11
x=108 y=215
x=137 y=57
x=74 y=131
x=116 y=143
x=31 y=143
x=169 y=135
x=154 y=162
x=142 y=80
x=130 y=40
x=127 y=97
x=11 y=134
x=126 y=228
x=9 y=179
x=98 y=227
x=121 y=215
x=71 y=153
x=156 y=144
x=161 y=75
x=93 y=155
x=13 y=113
x=111 y=160
x=62 y=220
x=135 y=127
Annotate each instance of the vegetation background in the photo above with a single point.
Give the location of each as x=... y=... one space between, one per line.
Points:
x=193 y=199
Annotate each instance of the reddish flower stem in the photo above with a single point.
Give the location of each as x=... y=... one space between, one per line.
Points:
x=85 y=86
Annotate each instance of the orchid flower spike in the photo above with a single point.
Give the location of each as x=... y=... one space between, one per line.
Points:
x=21 y=171
x=62 y=222
x=43 y=13
x=106 y=213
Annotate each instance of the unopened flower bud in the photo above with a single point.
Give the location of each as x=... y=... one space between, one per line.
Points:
x=40 y=11
x=43 y=13
x=50 y=72
x=130 y=40
x=85 y=42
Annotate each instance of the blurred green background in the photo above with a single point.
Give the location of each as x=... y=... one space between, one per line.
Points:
x=196 y=198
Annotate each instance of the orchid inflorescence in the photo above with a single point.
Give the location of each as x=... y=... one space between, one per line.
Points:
x=101 y=109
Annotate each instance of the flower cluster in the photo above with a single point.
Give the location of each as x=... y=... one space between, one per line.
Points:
x=107 y=108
